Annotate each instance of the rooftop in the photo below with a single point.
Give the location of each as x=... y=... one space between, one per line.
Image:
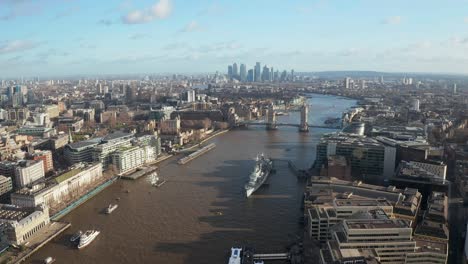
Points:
x=85 y=143
x=116 y=135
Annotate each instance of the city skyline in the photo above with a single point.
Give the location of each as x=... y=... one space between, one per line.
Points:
x=47 y=38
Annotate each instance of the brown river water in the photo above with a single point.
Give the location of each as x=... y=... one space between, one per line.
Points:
x=201 y=211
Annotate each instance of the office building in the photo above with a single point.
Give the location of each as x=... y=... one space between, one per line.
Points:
x=230 y=70
x=59 y=192
x=6 y=184
x=28 y=172
x=391 y=239
x=243 y=73
x=128 y=159
x=374 y=235
x=347 y=82
x=257 y=72
x=323 y=216
x=36 y=131
x=406 y=202
x=81 y=151
x=46 y=157
x=235 y=70
x=425 y=176
x=415 y=105
x=109 y=144
x=189 y=96
x=251 y=76
x=8 y=168
x=266 y=74
x=370 y=160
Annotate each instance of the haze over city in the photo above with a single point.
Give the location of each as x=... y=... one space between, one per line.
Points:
x=57 y=38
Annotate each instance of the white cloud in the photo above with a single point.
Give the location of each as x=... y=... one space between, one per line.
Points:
x=160 y=10
x=394 y=20
x=465 y=20
x=16 y=46
x=192 y=27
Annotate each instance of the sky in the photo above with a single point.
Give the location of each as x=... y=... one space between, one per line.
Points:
x=90 y=37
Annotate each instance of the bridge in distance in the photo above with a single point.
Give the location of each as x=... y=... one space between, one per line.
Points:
x=271 y=123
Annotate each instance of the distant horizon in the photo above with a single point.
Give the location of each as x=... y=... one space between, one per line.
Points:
x=335 y=72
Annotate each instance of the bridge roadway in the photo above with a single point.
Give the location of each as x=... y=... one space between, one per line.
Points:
x=286 y=124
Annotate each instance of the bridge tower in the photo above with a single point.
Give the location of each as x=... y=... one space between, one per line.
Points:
x=271 y=119
x=304 y=126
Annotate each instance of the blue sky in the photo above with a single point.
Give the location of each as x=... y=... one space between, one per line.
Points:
x=70 y=37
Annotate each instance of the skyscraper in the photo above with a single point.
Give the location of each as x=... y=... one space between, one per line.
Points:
x=235 y=70
x=251 y=76
x=230 y=70
x=243 y=73
x=265 y=73
x=347 y=82
x=258 y=77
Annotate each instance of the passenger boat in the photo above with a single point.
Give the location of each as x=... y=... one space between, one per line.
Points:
x=87 y=238
x=111 y=208
x=49 y=260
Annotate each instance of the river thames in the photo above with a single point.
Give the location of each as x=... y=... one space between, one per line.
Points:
x=201 y=211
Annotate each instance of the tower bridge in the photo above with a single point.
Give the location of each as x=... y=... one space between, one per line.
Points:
x=271 y=122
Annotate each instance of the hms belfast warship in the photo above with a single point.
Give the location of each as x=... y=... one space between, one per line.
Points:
x=260 y=174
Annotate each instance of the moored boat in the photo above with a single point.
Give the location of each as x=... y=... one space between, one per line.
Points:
x=76 y=236
x=263 y=167
x=235 y=256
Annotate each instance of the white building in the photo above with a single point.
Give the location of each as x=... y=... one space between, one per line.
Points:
x=57 y=193
x=20 y=224
x=347 y=82
x=415 y=105
x=28 y=172
x=129 y=159
x=103 y=152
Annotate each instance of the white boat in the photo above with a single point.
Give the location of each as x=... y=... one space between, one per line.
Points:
x=111 y=208
x=235 y=256
x=76 y=236
x=154 y=178
x=49 y=260
x=87 y=238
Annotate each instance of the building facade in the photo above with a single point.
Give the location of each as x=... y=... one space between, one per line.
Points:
x=59 y=192
x=29 y=171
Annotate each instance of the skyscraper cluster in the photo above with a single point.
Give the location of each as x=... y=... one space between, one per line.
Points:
x=258 y=74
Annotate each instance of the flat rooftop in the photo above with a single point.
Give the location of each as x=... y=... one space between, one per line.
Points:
x=376 y=224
